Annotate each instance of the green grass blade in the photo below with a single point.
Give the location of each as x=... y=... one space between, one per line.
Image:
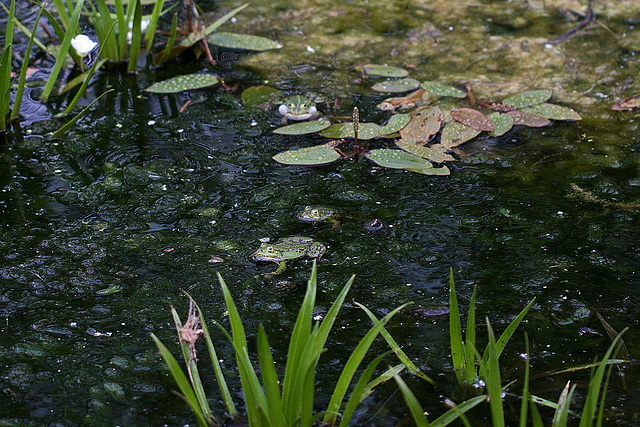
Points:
x=352 y=364
x=458 y=411
x=153 y=23
x=222 y=383
x=172 y=37
x=17 y=103
x=416 y=410
x=535 y=416
x=181 y=380
x=102 y=22
x=64 y=48
x=211 y=28
x=5 y=85
x=591 y=402
x=359 y=390
x=8 y=31
x=62 y=13
x=123 y=27
x=511 y=329
x=469 y=348
x=270 y=380
x=562 y=411
x=603 y=396
x=525 y=387
x=455 y=332
x=60 y=32
x=402 y=356
x=136 y=37
x=490 y=371
x=72 y=122
x=382 y=378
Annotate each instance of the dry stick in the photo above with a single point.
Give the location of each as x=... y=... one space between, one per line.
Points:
x=356 y=121
x=588 y=18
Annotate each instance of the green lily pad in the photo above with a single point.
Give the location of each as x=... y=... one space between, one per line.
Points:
x=528 y=119
x=397 y=159
x=472 y=118
x=456 y=133
x=395 y=123
x=242 y=41
x=186 y=82
x=345 y=130
x=554 y=112
x=502 y=123
x=257 y=95
x=310 y=156
x=435 y=153
x=304 y=128
x=528 y=98
x=425 y=122
x=438 y=89
x=397 y=86
x=384 y=71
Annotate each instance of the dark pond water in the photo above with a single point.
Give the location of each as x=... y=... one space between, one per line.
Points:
x=139 y=197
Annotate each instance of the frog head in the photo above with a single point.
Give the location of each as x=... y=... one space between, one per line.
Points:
x=315 y=213
x=298 y=107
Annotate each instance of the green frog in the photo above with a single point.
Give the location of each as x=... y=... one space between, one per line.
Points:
x=317 y=214
x=300 y=107
x=288 y=248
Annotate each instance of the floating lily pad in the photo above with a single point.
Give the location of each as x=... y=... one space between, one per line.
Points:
x=438 y=89
x=186 y=82
x=395 y=124
x=628 y=104
x=473 y=118
x=384 y=71
x=242 y=41
x=554 y=112
x=397 y=159
x=397 y=86
x=528 y=98
x=258 y=95
x=345 y=130
x=304 y=128
x=310 y=156
x=425 y=122
x=456 y=133
x=435 y=153
x=502 y=123
x=528 y=119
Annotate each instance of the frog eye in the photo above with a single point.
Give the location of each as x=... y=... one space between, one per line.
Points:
x=270 y=249
x=303 y=105
x=283 y=109
x=313 y=110
x=315 y=212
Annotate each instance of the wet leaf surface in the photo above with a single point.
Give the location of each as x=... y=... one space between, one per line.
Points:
x=528 y=119
x=304 y=128
x=310 y=156
x=395 y=124
x=435 y=153
x=242 y=41
x=397 y=86
x=257 y=95
x=186 y=82
x=345 y=130
x=456 y=133
x=502 y=123
x=438 y=89
x=628 y=104
x=402 y=102
x=554 y=112
x=384 y=71
x=425 y=122
x=528 y=98
x=473 y=118
x=397 y=159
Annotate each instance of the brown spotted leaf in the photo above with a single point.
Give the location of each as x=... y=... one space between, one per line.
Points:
x=435 y=153
x=424 y=123
x=628 y=104
x=473 y=118
x=528 y=119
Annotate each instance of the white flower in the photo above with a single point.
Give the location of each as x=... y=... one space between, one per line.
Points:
x=83 y=44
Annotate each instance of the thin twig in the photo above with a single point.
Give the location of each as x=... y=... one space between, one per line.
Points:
x=588 y=18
